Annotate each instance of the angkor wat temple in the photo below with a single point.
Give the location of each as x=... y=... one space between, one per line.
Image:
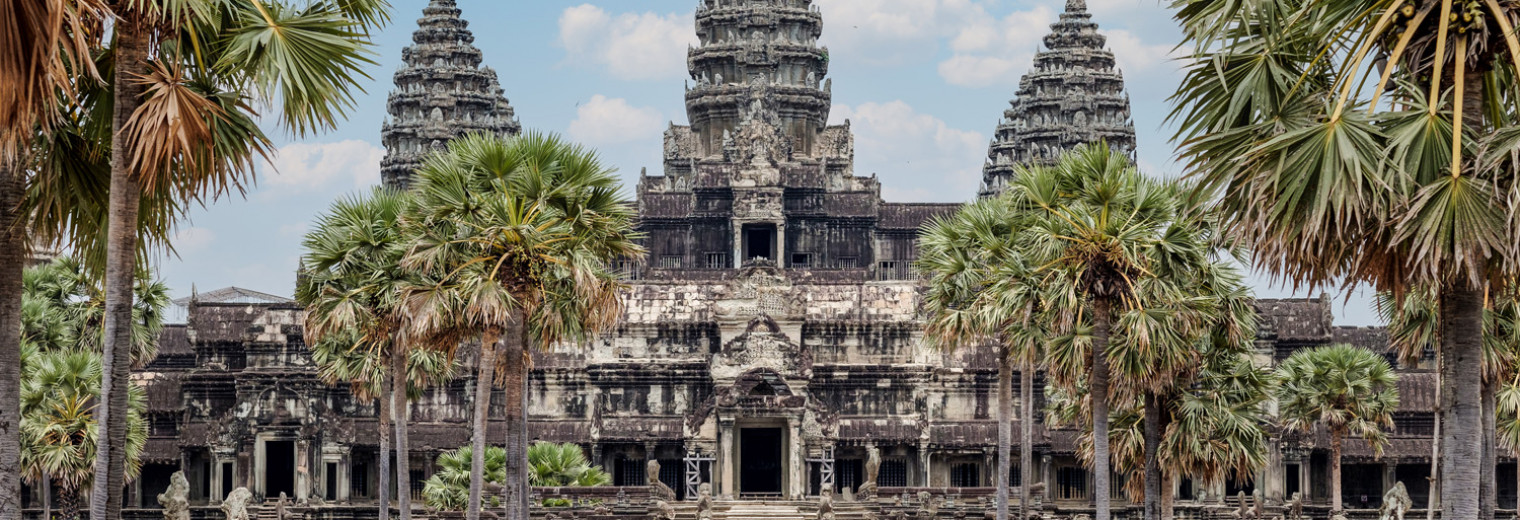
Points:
x=772 y=347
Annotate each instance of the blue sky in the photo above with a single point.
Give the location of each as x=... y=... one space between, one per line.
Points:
x=923 y=82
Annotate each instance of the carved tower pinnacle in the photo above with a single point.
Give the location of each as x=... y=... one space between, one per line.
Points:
x=441 y=93
x=1074 y=95
x=758 y=48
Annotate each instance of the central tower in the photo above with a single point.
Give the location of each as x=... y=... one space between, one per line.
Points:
x=749 y=45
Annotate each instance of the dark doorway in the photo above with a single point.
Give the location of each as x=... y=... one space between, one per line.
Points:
x=1362 y=485
x=760 y=461
x=227 y=479
x=760 y=241
x=154 y=479
x=1291 y=484
x=330 y=482
x=1417 y=482
x=279 y=468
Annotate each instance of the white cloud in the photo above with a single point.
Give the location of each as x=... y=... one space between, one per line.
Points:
x=605 y=121
x=630 y=45
x=307 y=166
x=193 y=239
x=918 y=156
x=1137 y=57
x=888 y=32
x=990 y=51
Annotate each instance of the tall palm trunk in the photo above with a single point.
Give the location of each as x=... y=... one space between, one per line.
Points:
x=1152 y=456
x=487 y=372
x=47 y=497
x=1026 y=438
x=121 y=263
x=1005 y=430
x=1489 y=492
x=1168 y=495
x=68 y=503
x=384 y=492
x=515 y=382
x=1337 y=437
x=1433 y=497
x=1099 y=395
x=12 y=262
x=1461 y=355
x=403 y=445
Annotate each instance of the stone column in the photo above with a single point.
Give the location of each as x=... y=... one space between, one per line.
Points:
x=1045 y=477
x=924 y=466
x=781 y=245
x=726 y=470
x=1273 y=479
x=303 y=470
x=795 y=480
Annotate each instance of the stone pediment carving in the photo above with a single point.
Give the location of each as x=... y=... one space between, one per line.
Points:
x=762 y=346
x=761 y=289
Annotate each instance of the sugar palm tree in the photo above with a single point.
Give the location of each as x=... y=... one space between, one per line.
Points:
x=1413 y=326
x=186 y=133
x=182 y=120
x=1100 y=235
x=59 y=431
x=554 y=465
x=47 y=43
x=449 y=487
x=1395 y=182
x=518 y=235
x=1347 y=389
x=980 y=289
x=351 y=285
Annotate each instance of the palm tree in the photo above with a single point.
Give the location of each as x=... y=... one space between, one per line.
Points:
x=518 y=235
x=449 y=487
x=1105 y=239
x=181 y=106
x=46 y=43
x=549 y=465
x=980 y=289
x=1349 y=390
x=1331 y=183
x=555 y=465
x=59 y=430
x=351 y=286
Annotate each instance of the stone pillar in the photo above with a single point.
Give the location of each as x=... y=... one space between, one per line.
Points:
x=795 y=481
x=924 y=465
x=727 y=475
x=781 y=245
x=1272 y=479
x=1306 y=486
x=304 y=472
x=1046 y=477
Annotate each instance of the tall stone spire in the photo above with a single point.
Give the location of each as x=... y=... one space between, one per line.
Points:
x=441 y=93
x=751 y=49
x=1074 y=95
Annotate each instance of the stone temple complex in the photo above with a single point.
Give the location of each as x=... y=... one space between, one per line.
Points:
x=771 y=360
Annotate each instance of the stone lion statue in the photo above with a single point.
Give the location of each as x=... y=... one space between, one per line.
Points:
x=826 y=505
x=656 y=487
x=235 y=506
x=176 y=499
x=1396 y=503
x=1296 y=507
x=873 y=468
x=704 y=501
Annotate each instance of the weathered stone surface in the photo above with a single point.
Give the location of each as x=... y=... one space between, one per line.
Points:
x=442 y=92
x=1073 y=96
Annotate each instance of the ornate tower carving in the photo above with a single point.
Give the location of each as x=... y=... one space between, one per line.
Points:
x=441 y=93
x=752 y=45
x=1073 y=95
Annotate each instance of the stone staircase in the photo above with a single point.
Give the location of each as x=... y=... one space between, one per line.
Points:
x=770 y=510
